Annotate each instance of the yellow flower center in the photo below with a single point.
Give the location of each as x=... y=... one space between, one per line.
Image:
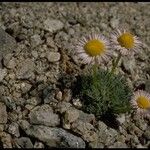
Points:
x=143 y=102
x=126 y=40
x=94 y=47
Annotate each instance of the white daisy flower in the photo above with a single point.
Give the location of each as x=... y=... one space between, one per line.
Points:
x=141 y=103
x=93 y=49
x=125 y=42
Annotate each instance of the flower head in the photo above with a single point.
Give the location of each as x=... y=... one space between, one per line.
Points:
x=125 y=42
x=93 y=49
x=141 y=103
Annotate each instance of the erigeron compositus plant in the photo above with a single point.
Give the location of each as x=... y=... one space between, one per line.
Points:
x=104 y=91
x=93 y=49
x=125 y=43
x=141 y=103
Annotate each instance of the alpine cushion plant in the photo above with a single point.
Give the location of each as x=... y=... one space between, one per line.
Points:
x=109 y=93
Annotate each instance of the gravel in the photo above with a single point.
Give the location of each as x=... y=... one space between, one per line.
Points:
x=3 y=113
x=44 y=115
x=39 y=68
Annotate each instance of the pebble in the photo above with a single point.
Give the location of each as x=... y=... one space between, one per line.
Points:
x=35 y=40
x=25 y=69
x=86 y=130
x=53 y=56
x=38 y=145
x=6 y=140
x=55 y=137
x=14 y=129
x=52 y=25
x=77 y=103
x=3 y=113
x=44 y=115
x=3 y=73
x=23 y=142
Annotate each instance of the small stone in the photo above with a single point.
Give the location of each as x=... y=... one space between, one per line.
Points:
x=131 y=65
x=55 y=137
x=114 y=22
x=33 y=101
x=101 y=126
x=35 y=40
x=1 y=127
x=9 y=102
x=59 y=95
x=53 y=56
x=69 y=117
x=140 y=146
x=3 y=113
x=24 y=124
x=3 y=73
x=25 y=69
x=118 y=145
x=86 y=130
x=7 y=43
x=23 y=142
x=14 y=129
x=89 y=118
x=6 y=140
x=121 y=118
x=44 y=115
x=77 y=103
x=67 y=95
x=38 y=145
x=53 y=25
x=29 y=107
x=9 y=61
x=35 y=54
x=147 y=134
x=25 y=87
x=63 y=106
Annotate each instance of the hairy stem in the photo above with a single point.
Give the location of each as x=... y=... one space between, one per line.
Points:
x=116 y=63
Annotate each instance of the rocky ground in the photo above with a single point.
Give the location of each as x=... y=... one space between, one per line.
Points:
x=38 y=68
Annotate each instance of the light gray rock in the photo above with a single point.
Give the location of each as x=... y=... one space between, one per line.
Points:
x=121 y=118
x=53 y=56
x=63 y=106
x=106 y=136
x=23 y=142
x=3 y=113
x=69 y=117
x=118 y=145
x=59 y=95
x=147 y=134
x=52 y=25
x=44 y=115
x=9 y=102
x=33 y=101
x=3 y=73
x=7 y=43
x=89 y=118
x=86 y=130
x=35 y=40
x=9 y=61
x=14 y=129
x=25 y=87
x=77 y=103
x=38 y=145
x=67 y=94
x=6 y=140
x=55 y=137
x=25 y=69
x=35 y=54
x=129 y=64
